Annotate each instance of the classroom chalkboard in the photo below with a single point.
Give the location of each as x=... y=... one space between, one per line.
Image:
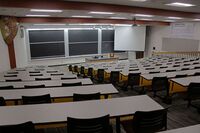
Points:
x=46 y=35
x=83 y=42
x=46 y=43
x=107 y=41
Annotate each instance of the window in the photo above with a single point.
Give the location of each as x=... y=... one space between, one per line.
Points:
x=83 y=42
x=46 y=43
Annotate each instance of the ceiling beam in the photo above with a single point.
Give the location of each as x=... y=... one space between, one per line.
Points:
x=65 y=5
x=86 y=20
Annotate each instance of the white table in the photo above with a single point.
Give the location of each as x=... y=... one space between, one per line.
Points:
x=190 y=129
x=58 y=112
x=186 y=80
x=59 y=92
x=47 y=83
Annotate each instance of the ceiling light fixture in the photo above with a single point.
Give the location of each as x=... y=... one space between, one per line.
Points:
x=44 y=10
x=196 y=19
x=122 y=25
x=178 y=4
x=33 y=15
x=146 y=19
x=174 y=18
x=138 y=0
x=118 y=18
x=77 y=16
x=106 y=13
x=143 y=15
x=50 y=24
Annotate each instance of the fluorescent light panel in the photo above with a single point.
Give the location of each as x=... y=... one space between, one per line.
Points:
x=34 y=15
x=106 y=13
x=77 y=16
x=179 y=4
x=49 y=24
x=143 y=15
x=44 y=10
x=118 y=18
x=122 y=25
x=196 y=19
x=174 y=18
x=138 y=0
x=145 y=19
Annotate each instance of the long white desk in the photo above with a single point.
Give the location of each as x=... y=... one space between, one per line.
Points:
x=186 y=80
x=60 y=92
x=47 y=83
x=58 y=112
x=190 y=129
x=170 y=74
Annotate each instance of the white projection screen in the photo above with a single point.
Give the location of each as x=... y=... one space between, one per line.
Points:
x=130 y=38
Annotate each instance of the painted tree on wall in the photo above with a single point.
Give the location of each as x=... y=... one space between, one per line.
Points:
x=9 y=28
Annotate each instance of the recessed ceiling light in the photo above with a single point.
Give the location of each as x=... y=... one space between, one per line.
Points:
x=44 y=10
x=138 y=0
x=118 y=18
x=123 y=25
x=94 y=12
x=168 y=20
x=145 y=19
x=76 y=16
x=196 y=19
x=49 y=24
x=178 y=4
x=31 y=15
x=174 y=18
x=143 y=15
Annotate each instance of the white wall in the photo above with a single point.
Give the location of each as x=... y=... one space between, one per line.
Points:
x=156 y=34
x=4 y=56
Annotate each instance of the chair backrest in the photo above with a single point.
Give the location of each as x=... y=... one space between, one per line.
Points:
x=71 y=84
x=160 y=83
x=34 y=71
x=12 y=72
x=114 y=77
x=40 y=74
x=27 y=127
x=36 y=99
x=57 y=74
x=93 y=125
x=150 y=122
x=197 y=67
x=84 y=97
x=2 y=101
x=41 y=79
x=100 y=75
x=193 y=91
x=90 y=72
x=133 y=79
x=70 y=67
x=181 y=76
x=76 y=69
x=185 y=69
x=82 y=70
x=34 y=86
x=10 y=75
x=64 y=78
x=52 y=71
x=153 y=72
x=171 y=70
x=197 y=74
x=13 y=80
x=6 y=87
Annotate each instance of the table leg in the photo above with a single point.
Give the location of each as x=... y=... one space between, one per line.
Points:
x=118 y=130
